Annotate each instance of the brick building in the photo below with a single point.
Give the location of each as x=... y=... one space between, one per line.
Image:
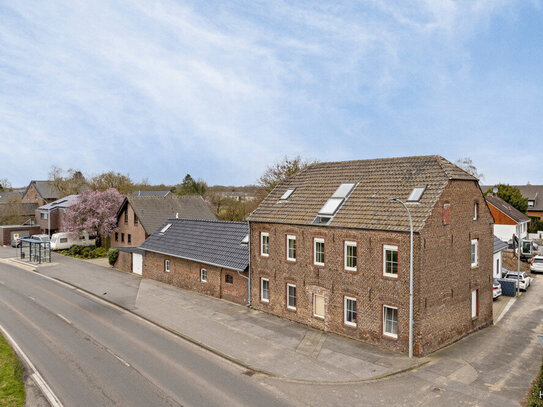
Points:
x=210 y=257
x=140 y=216
x=329 y=250
x=40 y=192
x=50 y=216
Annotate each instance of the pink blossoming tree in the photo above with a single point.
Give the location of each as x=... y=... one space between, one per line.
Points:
x=95 y=213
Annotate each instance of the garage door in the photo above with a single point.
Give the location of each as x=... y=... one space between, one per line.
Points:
x=137 y=263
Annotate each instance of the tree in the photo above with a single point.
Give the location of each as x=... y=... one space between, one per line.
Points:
x=95 y=213
x=69 y=182
x=10 y=212
x=4 y=184
x=511 y=195
x=190 y=186
x=107 y=180
x=467 y=165
x=280 y=171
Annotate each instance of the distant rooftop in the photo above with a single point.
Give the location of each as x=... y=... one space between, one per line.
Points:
x=151 y=193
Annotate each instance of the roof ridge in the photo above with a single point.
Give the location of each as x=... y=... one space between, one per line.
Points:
x=374 y=159
x=208 y=220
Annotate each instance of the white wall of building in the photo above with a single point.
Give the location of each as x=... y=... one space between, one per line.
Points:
x=506 y=232
x=497 y=265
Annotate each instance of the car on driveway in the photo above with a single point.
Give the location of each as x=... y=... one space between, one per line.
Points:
x=523 y=279
x=536 y=266
x=496 y=289
x=41 y=238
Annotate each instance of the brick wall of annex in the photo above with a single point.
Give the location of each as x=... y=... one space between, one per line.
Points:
x=186 y=274
x=444 y=298
x=124 y=262
x=367 y=285
x=136 y=231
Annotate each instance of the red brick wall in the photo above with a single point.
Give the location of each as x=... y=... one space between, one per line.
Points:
x=6 y=233
x=136 y=231
x=186 y=274
x=32 y=196
x=539 y=214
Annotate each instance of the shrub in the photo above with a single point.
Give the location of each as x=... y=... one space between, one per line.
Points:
x=112 y=255
x=100 y=252
x=75 y=250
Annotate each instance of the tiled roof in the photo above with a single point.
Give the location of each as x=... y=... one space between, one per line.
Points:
x=152 y=211
x=507 y=209
x=530 y=192
x=63 y=203
x=499 y=245
x=151 y=193
x=367 y=207
x=10 y=196
x=215 y=242
x=46 y=189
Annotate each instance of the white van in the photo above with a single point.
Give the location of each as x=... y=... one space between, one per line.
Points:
x=64 y=240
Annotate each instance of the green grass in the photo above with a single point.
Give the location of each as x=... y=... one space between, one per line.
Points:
x=12 y=389
x=533 y=398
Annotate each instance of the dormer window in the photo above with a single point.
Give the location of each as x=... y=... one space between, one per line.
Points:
x=245 y=240
x=416 y=194
x=287 y=194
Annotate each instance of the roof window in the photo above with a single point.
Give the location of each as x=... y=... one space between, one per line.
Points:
x=334 y=202
x=344 y=190
x=245 y=240
x=165 y=228
x=287 y=194
x=416 y=194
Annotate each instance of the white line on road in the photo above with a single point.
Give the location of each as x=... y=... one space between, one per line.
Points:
x=38 y=379
x=64 y=319
x=511 y=301
x=124 y=362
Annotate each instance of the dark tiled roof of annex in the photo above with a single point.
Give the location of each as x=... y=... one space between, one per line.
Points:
x=218 y=243
x=367 y=206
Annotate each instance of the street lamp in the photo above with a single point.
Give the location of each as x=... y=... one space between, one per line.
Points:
x=410 y=276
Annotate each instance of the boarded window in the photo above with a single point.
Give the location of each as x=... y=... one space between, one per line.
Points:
x=318 y=305
x=446 y=213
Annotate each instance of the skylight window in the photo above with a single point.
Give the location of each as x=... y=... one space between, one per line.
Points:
x=336 y=200
x=331 y=206
x=287 y=194
x=245 y=240
x=344 y=190
x=416 y=194
x=165 y=228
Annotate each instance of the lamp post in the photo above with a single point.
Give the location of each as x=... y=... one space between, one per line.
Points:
x=410 y=275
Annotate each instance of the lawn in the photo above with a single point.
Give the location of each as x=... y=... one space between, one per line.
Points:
x=12 y=389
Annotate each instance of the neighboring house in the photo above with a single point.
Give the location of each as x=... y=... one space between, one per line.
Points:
x=499 y=247
x=140 y=216
x=50 y=216
x=11 y=196
x=40 y=192
x=151 y=193
x=507 y=219
x=329 y=250
x=207 y=256
x=534 y=194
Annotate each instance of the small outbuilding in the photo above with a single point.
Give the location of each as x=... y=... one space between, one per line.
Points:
x=499 y=247
x=207 y=256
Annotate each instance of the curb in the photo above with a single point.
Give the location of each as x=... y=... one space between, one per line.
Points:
x=249 y=370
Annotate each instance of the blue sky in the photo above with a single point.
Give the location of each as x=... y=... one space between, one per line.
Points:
x=222 y=89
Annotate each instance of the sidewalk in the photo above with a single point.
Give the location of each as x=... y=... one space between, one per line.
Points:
x=259 y=341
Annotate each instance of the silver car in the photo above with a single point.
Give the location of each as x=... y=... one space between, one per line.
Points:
x=536 y=266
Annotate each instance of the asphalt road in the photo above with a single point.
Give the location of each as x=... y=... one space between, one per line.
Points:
x=92 y=354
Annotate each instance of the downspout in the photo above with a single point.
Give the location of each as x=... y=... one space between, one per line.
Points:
x=249 y=269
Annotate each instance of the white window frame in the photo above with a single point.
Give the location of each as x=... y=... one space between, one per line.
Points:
x=476 y=243
x=385 y=249
x=288 y=297
x=475 y=211
x=315 y=241
x=315 y=302
x=350 y=244
x=289 y=238
x=262 y=235
x=474 y=300
x=167 y=266
x=390 y=334
x=345 y=301
x=203 y=275
x=262 y=279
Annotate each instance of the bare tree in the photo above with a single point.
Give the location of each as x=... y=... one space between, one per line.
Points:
x=120 y=182
x=467 y=165
x=4 y=184
x=280 y=171
x=67 y=182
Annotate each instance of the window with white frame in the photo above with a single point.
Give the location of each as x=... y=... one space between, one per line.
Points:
x=390 y=321
x=474 y=259
x=167 y=266
x=390 y=261
x=318 y=251
x=474 y=303
x=265 y=290
x=264 y=244
x=291 y=296
x=349 y=313
x=318 y=305
x=475 y=210
x=291 y=247
x=350 y=256
x=203 y=275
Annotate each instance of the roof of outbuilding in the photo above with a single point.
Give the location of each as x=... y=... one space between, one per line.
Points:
x=507 y=209
x=499 y=245
x=152 y=211
x=217 y=243
x=151 y=193
x=63 y=203
x=367 y=206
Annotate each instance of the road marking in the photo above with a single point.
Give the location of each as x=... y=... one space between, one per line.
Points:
x=509 y=304
x=38 y=379
x=32 y=298
x=64 y=319
x=124 y=362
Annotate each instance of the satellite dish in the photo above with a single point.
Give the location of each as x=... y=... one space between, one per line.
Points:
x=495 y=190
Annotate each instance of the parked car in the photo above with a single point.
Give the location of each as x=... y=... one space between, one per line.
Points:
x=536 y=266
x=496 y=289
x=41 y=238
x=63 y=240
x=523 y=279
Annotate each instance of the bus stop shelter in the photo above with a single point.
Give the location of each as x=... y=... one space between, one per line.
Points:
x=35 y=251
